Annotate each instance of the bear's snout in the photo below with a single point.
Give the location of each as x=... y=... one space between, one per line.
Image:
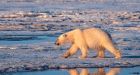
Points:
x=57 y=43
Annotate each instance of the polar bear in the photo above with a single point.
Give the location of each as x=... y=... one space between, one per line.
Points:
x=90 y=38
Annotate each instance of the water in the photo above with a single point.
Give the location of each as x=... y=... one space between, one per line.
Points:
x=15 y=40
x=84 y=71
x=19 y=16
x=41 y=5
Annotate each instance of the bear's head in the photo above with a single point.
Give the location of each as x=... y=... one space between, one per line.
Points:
x=61 y=39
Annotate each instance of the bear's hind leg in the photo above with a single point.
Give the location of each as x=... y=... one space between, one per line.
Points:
x=116 y=53
x=73 y=49
x=101 y=53
x=113 y=50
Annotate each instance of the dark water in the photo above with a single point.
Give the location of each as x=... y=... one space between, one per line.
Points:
x=84 y=71
x=24 y=39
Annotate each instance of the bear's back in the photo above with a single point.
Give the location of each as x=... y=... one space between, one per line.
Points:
x=95 y=37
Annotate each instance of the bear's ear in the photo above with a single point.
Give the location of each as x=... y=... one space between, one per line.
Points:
x=65 y=35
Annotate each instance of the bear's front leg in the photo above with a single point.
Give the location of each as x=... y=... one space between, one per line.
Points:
x=73 y=49
x=84 y=51
x=66 y=54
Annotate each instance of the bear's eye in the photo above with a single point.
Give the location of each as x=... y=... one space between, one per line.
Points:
x=65 y=35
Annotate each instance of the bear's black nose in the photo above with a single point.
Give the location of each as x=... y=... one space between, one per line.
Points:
x=56 y=43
